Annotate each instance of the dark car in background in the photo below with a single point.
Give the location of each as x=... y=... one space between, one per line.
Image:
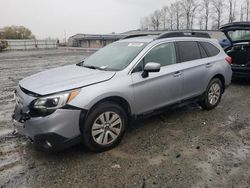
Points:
x=238 y=34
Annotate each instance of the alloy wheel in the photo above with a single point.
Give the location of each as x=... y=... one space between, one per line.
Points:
x=106 y=128
x=214 y=93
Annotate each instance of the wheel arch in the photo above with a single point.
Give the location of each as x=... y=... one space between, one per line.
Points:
x=222 y=79
x=113 y=99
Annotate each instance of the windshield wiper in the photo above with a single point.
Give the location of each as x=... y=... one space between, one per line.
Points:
x=93 y=67
x=80 y=64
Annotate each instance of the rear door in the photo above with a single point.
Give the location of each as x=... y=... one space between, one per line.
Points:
x=160 y=88
x=194 y=67
x=239 y=35
x=237 y=32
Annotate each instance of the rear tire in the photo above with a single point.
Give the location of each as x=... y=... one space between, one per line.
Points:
x=213 y=94
x=104 y=127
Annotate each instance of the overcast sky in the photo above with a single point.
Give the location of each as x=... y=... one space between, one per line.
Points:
x=49 y=18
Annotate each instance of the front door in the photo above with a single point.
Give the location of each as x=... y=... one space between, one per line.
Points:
x=161 y=88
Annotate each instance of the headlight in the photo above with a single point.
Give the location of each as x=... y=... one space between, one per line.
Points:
x=55 y=101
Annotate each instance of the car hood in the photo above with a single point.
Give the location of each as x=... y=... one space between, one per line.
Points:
x=232 y=31
x=63 y=79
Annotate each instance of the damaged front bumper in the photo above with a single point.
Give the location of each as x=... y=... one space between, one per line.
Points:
x=53 y=132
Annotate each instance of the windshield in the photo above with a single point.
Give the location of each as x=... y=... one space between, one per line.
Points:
x=239 y=35
x=114 y=57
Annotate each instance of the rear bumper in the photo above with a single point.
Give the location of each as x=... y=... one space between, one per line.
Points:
x=241 y=72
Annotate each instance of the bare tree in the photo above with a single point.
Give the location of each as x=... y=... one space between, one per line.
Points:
x=234 y=11
x=205 y=4
x=247 y=9
x=201 y=23
x=189 y=7
x=164 y=13
x=167 y=16
x=218 y=6
x=232 y=8
x=241 y=13
x=170 y=17
x=201 y=18
x=193 y=10
x=182 y=14
x=144 y=23
x=178 y=14
x=155 y=19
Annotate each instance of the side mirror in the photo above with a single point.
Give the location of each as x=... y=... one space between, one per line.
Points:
x=150 y=67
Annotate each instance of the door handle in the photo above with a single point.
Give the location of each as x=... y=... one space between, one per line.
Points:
x=177 y=74
x=208 y=65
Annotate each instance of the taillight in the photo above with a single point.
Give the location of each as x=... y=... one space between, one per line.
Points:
x=229 y=60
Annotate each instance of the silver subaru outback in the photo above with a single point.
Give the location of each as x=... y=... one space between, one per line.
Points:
x=93 y=101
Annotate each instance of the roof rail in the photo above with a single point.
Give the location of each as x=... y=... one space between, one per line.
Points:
x=138 y=35
x=183 y=34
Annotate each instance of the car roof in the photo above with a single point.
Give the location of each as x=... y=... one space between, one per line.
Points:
x=147 y=38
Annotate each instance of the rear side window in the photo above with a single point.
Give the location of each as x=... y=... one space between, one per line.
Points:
x=188 y=50
x=210 y=49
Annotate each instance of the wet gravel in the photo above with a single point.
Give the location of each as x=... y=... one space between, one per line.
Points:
x=183 y=147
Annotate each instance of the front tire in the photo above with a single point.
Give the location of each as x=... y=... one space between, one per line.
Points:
x=104 y=127
x=213 y=94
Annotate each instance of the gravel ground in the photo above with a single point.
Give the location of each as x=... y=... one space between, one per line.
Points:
x=184 y=147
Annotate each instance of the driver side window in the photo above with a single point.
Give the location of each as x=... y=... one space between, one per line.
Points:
x=164 y=54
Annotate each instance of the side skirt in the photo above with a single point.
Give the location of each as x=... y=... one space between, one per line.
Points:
x=168 y=107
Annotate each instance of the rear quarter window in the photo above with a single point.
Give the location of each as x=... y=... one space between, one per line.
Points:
x=203 y=51
x=188 y=50
x=210 y=49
